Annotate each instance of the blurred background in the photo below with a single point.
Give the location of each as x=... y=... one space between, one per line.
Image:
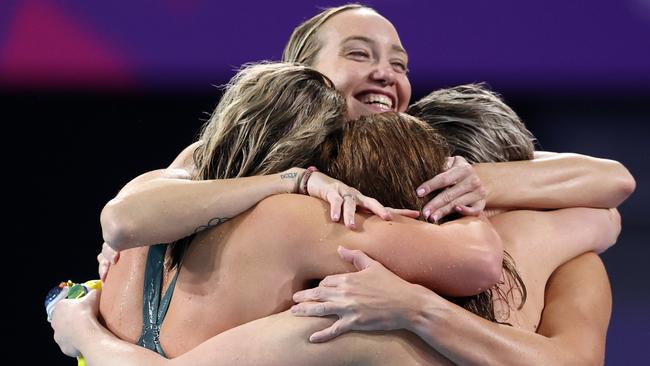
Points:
x=96 y=93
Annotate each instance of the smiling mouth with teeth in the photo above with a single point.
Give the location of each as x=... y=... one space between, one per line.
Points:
x=379 y=100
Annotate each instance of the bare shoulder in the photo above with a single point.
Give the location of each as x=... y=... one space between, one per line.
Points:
x=185 y=160
x=292 y=208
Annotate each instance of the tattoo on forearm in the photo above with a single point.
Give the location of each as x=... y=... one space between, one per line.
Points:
x=288 y=175
x=212 y=223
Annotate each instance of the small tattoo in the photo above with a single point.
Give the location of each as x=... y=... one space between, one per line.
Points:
x=212 y=223
x=288 y=175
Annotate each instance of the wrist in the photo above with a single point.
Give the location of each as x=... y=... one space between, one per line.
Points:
x=290 y=180
x=483 y=170
x=428 y=312
x=303 y=185
x=84 y=331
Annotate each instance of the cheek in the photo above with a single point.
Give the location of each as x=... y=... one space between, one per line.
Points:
x=404 y=91
x=345 y=80
x=354 y=110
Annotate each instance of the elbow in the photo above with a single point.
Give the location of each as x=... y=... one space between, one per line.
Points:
x=492 y=257
x=627 y=184
x=483 y=272
x=487 y=260
x=117 y=227
x=490 y=270
x=623 y=185
x=611 y=233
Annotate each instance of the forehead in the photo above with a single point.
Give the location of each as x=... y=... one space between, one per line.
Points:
x=359 y=22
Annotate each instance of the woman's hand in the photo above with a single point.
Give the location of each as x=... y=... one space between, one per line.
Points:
x=107 y=257
x=464 y=192
x=372 y=299
x=343 y=199
x=68 y=319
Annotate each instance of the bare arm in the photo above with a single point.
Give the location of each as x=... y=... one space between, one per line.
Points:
x=572 y=331
x=375 y=299
x=556 y=181
x=280 y=339
x=540 y=242
x=457 y=258
x=164 y=205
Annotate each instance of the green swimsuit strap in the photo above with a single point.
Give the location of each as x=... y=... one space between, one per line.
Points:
x=154 y=308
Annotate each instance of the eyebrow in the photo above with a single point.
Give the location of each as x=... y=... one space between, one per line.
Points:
x=394 y=47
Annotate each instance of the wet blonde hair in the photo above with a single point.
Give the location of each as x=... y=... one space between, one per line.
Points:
x=271 y=117
x=303 y=45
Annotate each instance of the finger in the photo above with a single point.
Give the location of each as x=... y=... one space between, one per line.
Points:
x=109 y=253
x=459 y=161
x=405 y=212
x=468 y=199
x=339 y=327
x=316 y=309
x=335 y=201
x=470 y=210
x=349 y=209
x=360 y=260
x=116 y=257
x=103 y=270
x=92 y=298
x=451 y=196
x=313 y=294
x=445 y=179
x=449 y=162
x=375 y=207
x=333 y=280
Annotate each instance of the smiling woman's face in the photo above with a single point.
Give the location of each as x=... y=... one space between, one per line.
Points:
x=363 y=56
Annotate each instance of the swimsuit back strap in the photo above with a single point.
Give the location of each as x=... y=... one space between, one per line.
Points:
x=151 y=319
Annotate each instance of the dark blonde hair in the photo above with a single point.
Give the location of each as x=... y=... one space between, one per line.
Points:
x=371 y=154
x=304 y=44
x=477 y=124
x=271 y=117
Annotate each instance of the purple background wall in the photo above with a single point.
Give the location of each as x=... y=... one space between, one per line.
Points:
x=104 y=91
x=192 y=43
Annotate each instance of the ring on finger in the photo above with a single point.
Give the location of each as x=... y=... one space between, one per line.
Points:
x=349 y=195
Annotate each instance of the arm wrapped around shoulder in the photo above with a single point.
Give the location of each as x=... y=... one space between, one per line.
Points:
x=459 y=258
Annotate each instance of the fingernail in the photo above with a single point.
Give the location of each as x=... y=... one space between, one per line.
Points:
x=421 y=192
x=435 y=218
x=426 y=214
x=335 y=218
x=459 y=209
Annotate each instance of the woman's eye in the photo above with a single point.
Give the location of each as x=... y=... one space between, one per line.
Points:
x=400 y=66
x=358 y=54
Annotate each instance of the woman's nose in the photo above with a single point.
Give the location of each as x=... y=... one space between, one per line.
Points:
x=384 y=74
